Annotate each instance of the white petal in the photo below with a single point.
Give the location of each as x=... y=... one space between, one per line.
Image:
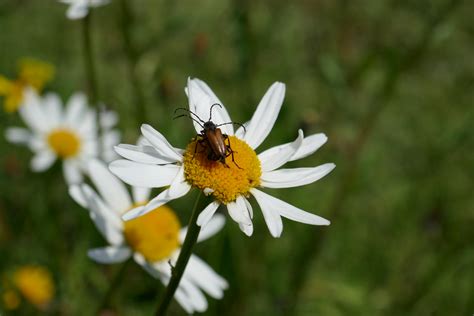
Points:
x=265 y=116
x=238 y=211
x=108 y=119
x=160 y=143
x=140 y=195
x=106 y=220
x=151 y=269
x=142 y=154
x=18 y=135
x=201 y=98
x=76 y=108
x=109 y=255
x=143 y=175
x=246 y=229
x=72 y=172
x=162 y=198
x=207 y=231
x=86 y=123
x=75 y=12
x=42 y=160
x=98 y=3
x=288 y=178
x=283 y=156
x=77 y=195
x=270 y=212
x=205 y=277
x=309 y=146
x=183 y=299
x=206 y=214
x=53 y=108
x=112 y=190
x=195 y=295
x=287 y=210
x=32 y=112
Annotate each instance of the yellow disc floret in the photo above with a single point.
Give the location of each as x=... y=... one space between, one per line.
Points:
x=64 y=142
x=155 y=235
x=226 y=180
x=35 y=284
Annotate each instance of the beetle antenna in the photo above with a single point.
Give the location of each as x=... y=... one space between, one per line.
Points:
x=192 y=118
x=191 y=112
x=210 y=110
x=236 y=123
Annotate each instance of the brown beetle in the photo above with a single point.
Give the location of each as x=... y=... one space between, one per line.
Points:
x=211 y=137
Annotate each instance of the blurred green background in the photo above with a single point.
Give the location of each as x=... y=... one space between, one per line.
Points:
x=391 y=83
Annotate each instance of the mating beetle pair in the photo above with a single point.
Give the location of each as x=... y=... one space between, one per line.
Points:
x=211 y=137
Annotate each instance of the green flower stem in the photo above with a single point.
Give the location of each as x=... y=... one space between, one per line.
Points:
x=178 y=270
x=91 y=78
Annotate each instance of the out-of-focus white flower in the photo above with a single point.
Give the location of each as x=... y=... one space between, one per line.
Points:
x=69 y=134
x=233 y=179
x=154 y=240
x=78 y=9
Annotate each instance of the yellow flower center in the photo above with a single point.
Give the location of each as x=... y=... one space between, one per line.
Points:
x=35 y=284
x=155 y=235
x=11 y=300
x=64 y=142
x=35 y=73
x=226 y=181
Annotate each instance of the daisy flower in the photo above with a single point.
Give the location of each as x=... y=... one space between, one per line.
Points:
x=78 y=9
x=232 y=183
x=34 y=283
x=153 y=240
x=68 y=134
x=32 y=73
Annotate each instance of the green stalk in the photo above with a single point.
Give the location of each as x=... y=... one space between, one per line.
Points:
x=178 y=270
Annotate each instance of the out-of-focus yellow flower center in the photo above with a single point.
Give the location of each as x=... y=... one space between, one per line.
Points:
x=35 y=73
x=227 y=181
x=155 y=235
x=32 y=73
x=35 y=284
x=64 y=142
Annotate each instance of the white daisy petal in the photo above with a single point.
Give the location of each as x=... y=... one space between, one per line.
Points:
x=287 y=210
x=270 y=212
x=201 y=98
x=87 y=123
x=77 y=195
x=105 y=219
x=143 y=175
x=238 y=211
x=53 y=108
x=207 y=231
x=309 y=146
x=205 y=277
x=276 y=161
x=265 y=116
x=160 y=143
x=195 y=295
x=75 y=12
x=112 y=190
x=182 y=298
x=76 y=108
x=246 y=229
x=206 y=214
x=142 y=154
x=42 y=161
x=18 y=135
x=32 y=112
x=288 y=178
x=146 y=266
x=162 y=198
x=108 y=119
x=140 y=195
x=109 y=255
x=72 y=172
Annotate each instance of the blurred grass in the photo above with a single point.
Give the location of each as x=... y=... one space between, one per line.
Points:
x=400 y=243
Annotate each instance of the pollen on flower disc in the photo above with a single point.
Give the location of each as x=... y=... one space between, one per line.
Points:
x=64 y=142
x=155 y=235
x=227 y=181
